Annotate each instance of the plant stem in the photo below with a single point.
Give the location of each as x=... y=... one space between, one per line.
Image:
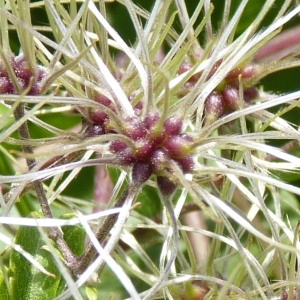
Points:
x=55 y=234
x=102 y=234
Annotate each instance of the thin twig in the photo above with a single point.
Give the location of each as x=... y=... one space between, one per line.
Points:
x=140 y=174
x=55 y=234
x=102 y=233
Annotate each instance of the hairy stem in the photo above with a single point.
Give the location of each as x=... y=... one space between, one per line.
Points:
x=55 y=234
x=101 y=234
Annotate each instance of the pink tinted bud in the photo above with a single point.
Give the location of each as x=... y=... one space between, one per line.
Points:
x=184 y=67
x=173 y=125
x=117 y=146
x=3 y=72
x=186 y=163
x=233 y=74
x=103 y=100
x=41 y=74
x=151 y=120
x=138 y=108
x=135 y=128
x=22 y=69
x=98 y=116
x=249 y=71
x=231 y=98
x=126 y=157
x=141 y=172
x=250 y=94
x=35 y=89
x=213 y=107
x=6 y=86
x=144 y=149
x=165 y=185
x=94 y=130
x=178 y=146
x=157 y=137
x=158 y=160
x=246 y=72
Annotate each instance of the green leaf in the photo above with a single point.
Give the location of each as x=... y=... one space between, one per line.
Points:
x=150 y=204
x=27 y=281
x=4 y=293
x=5 y=118
x=91 y=293
x=74 y=236
x=287 y=176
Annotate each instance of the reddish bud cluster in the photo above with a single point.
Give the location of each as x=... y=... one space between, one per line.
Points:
x=98 y=118
x=227 y=99
x=26 y=77
x=153 y=145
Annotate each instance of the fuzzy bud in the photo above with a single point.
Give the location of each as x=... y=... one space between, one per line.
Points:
x=135 y=128
x=249 y=71
x=165 y=185
x=214 y=107
x=98 y=116
x=117 y=146
x=94 y=130
x=143 y=149
x=158 y=160
x=141 y=172
x=250 y=94
x=126 y=157
x=173 y=125
x=151 y=120
x=6 y=86
x=231 y=97
x=186 y=164
x=103 y=100
x=178 y=146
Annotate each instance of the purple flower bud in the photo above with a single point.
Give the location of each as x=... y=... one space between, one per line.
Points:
x=41 y=74
x=22 y=69
x=6 y=86
x=94 y=130
x=117 y=146
x=158 y=160
x=126 y=157
x=138 y=108
x=151 y=120
x=249 y=71
x=98 y=116
x=178 y=146
x=186 y=164
x=165 y=185
x=231 y=97
x=141 y=172
x=103 y=100
x=213 y=107
x=135 y=128
x=143 y=149
x=250 y=94
x=173 y=125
